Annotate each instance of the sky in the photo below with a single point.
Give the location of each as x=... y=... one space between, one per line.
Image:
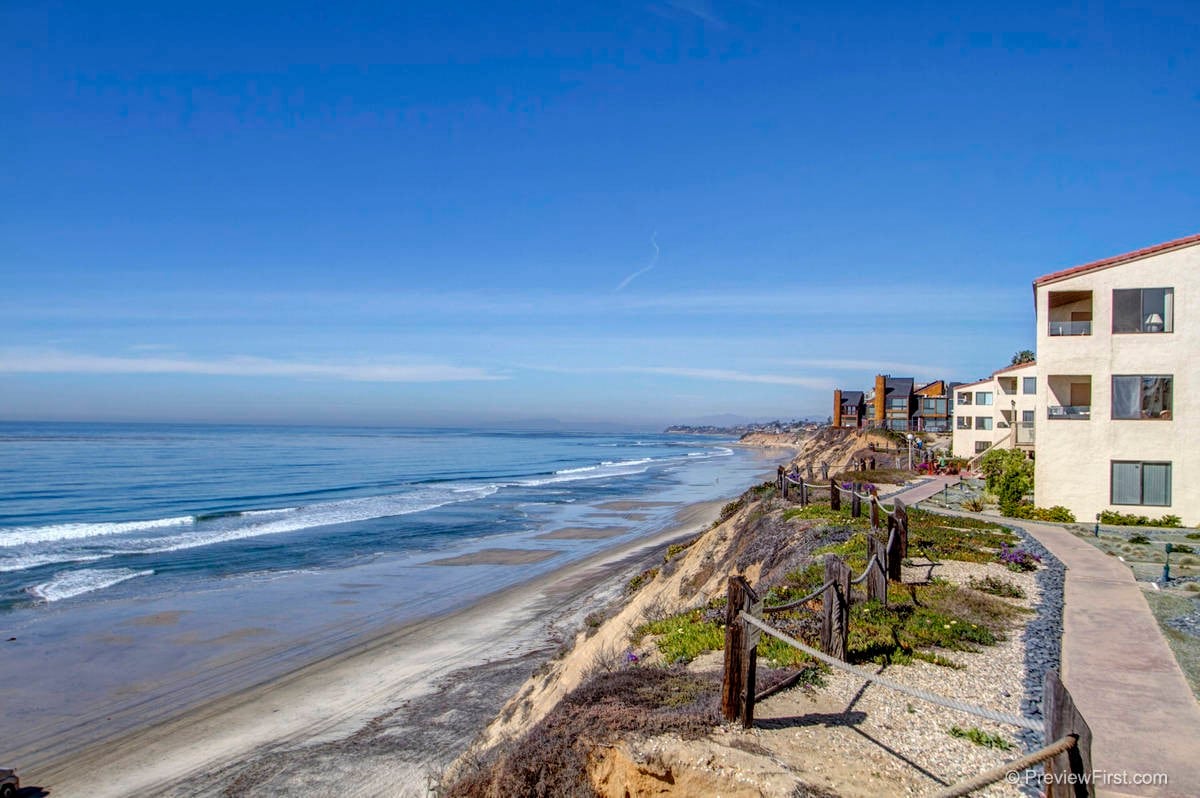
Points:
x=636 y=212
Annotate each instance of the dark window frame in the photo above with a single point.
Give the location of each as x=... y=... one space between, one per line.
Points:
x=1141 y=319
x=1167 y=415
x=1142 y=487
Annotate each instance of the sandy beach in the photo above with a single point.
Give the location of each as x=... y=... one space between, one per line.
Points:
x=376 y=719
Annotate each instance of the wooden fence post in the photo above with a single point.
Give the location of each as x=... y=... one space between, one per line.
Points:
x=779 y=478
x=875 y=508
x=803 y=494
x=877 y=579
x=1062 y=719
x=741 y=655
x=824 y=470
x=786 y=486
x=902 y=526
x=894 y=558
x=835 y=617
x=835 y=496
x=809 y=472
x=855 y=502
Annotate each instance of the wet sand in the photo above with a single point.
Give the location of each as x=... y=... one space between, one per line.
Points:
x=374 y=719
x=625 y=506
x=584 y=533
x=499 y=557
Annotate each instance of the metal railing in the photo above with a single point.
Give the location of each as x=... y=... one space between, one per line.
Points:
x=1074 y=412
x=1025 y=433
x=1070 y=328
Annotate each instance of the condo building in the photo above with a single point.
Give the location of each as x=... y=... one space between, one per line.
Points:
x=1117 y=416
x=996 y=413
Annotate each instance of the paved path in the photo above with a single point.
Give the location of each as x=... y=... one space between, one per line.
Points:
x=1121 y=673
x=923 y=491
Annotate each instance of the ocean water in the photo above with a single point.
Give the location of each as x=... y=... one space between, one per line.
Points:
x=146 y=569
x=91 y=511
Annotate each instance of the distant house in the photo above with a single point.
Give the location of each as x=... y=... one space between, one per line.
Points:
x=848 y=408
x=932 y=408
x=892 y=402
x=896 y=403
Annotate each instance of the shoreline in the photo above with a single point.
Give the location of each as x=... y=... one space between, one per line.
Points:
x=368 y=700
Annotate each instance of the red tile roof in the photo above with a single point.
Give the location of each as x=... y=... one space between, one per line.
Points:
x=1116 y=260
x=1010 y=368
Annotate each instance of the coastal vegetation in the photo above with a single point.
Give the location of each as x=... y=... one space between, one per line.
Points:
x=653 y=667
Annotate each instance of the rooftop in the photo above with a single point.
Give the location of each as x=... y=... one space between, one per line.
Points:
x=1117 y=260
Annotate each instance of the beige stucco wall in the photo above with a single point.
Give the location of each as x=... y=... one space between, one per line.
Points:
x=1000 y=411
x=1074 y=456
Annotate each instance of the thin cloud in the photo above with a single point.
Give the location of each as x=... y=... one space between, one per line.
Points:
x=700 y=9
x=57 y=362
x=715 y=375
x=878 y=366
x=726 y=375
x=640 y=272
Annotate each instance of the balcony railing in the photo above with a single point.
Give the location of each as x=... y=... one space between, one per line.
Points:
x=1070 y=328
x=1075 y=412
x=1025 y=434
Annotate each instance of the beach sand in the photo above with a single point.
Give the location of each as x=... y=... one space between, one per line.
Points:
x=584 y=533
x=499 y=557
x=376 y=719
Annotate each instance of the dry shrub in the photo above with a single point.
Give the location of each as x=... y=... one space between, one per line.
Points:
x=551 y=758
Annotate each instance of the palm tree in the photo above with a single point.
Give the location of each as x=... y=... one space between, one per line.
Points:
x=1024 y=356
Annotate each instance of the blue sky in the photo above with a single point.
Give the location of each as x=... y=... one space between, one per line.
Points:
x=632 y=211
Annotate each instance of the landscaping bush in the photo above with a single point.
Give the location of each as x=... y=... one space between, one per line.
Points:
x=1009 y=475
x=1114 y=518
x=996 y=587
x=1033 y=513
x=974 y=505
x=1139 y=539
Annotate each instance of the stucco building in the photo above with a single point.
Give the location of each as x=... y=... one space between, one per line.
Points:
x=1117 y=421
x=997 y=412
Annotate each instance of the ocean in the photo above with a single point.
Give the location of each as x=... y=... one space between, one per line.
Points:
x=144 y=568
x=88 y=508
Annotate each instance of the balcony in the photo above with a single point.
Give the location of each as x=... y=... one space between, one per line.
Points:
x=1070 y=327
x=1025 y=434
x=1072 y=412
x=1070 y=313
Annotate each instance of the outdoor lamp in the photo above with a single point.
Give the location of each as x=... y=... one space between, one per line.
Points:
x=1167 y=565
x=1097 y=530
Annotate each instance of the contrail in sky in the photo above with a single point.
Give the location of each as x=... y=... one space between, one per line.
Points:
x=640 y=272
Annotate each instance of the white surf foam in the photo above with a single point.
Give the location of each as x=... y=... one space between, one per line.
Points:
x=23 y=535
x=67 y=584
x=317 y=515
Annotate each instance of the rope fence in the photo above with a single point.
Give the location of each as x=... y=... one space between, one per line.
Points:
x=999 y=772
x=923 y=695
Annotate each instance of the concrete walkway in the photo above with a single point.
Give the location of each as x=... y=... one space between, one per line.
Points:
x=1122 y=675
x=923 y=491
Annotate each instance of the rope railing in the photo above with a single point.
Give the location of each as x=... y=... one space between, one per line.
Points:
x=1004 y=771
x=798 y=602
x=923 y=695
x=874 y=563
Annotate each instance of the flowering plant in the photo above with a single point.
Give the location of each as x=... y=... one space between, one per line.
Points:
x=1018 y=559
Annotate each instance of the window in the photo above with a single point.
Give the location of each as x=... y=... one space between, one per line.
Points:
x=1026 y=416
x=1143 y=310
x=964 y=398
x=983 y=422
x=1029 y=385
x=963 y=422
x=1141 y=397
x=897 y=404
x=1141 y=483
x=982 y=446
x=983 y=397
